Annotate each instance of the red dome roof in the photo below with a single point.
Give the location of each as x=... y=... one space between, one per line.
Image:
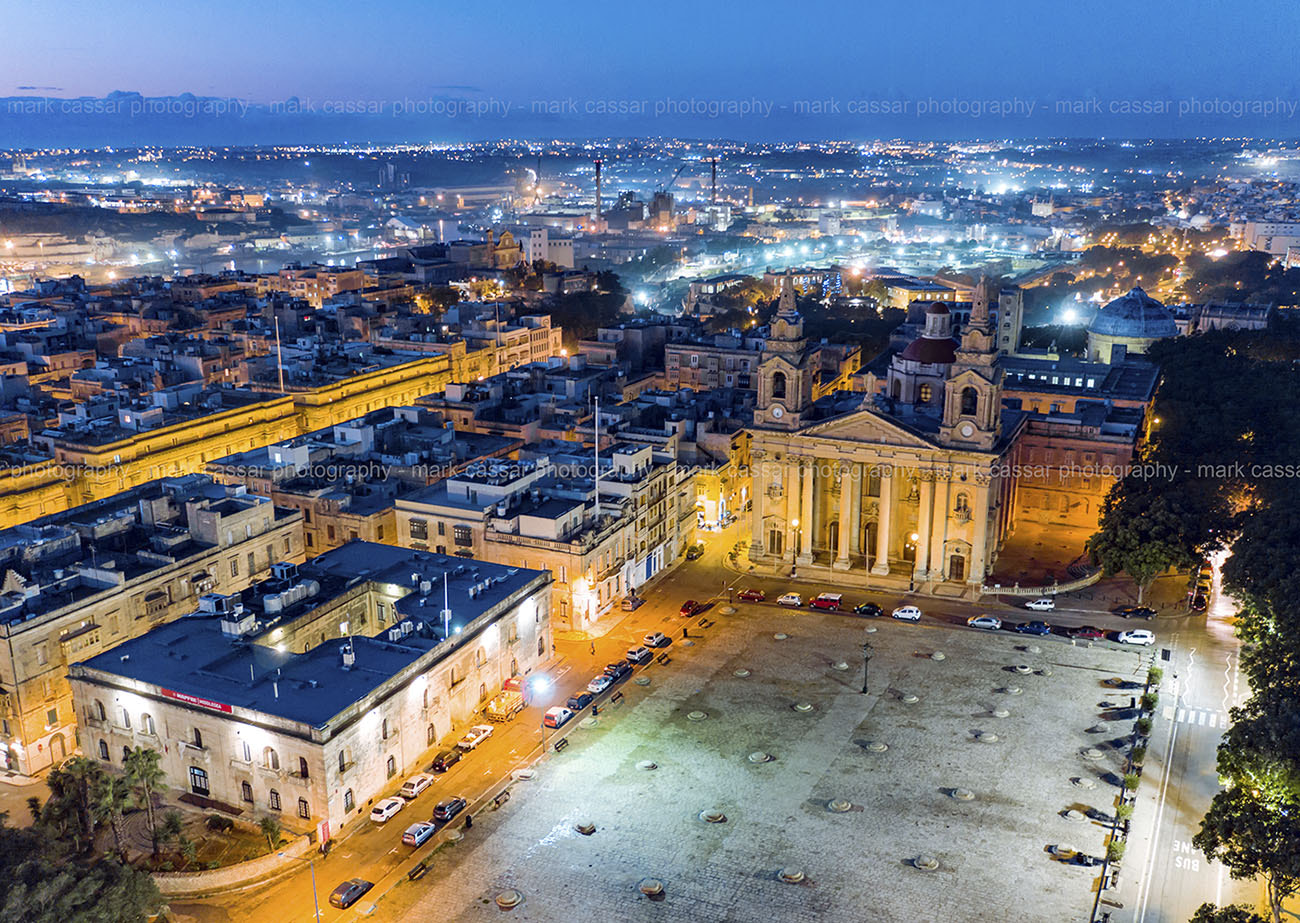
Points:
x=937 y=308
x=932 y=351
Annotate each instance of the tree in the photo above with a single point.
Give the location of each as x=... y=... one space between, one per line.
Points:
x=1236 y=913
x=112 y=797
x=170 y=828
x=69 y=811
x=270 y=828
x=1145 y=530
x=1255 y=837
x=43 y=885
x=146 y=777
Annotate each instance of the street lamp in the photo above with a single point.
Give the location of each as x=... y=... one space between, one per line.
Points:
x=866 y=662
x=311 y=863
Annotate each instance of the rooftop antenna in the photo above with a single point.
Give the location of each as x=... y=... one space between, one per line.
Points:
x=598 y=163
x=279 y=353
x=597 y=461
x=713 y=194
x=446 y=609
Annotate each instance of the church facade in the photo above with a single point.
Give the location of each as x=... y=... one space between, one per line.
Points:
x=910 y=489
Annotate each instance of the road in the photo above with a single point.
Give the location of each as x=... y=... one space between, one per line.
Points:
x=1176 y=879
x=1203 y=681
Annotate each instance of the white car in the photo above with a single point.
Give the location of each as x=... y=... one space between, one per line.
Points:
x=412 y=787
x=1137 y=636
x=381 y=812
x=790 y=599
x=907 y=613
x=987 y=622
x=475 y=736
x=1042 y=604
x=600 y=684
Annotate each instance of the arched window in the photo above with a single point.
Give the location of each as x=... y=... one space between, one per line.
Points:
x=541 y=647
x=482 y=691
x=126 y=718
x=963 y=504
x=100 y=713
x=343 y=761
x=103 y=751
x=392 y=767
x=302 y=768
x=778 y=384
x=896 y=389
x=924 y=393
x=384 y=729
x=348 y=800
x=970 y=399
x=126 y=755
x=431 y=736
x=147 y=725
x=514 y=666
x=246 y=792
x=270 y=759
x=273 y=800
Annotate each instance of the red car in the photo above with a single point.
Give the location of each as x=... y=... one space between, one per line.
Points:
x=1087 y=632
x=689 y=608
x=754 y=596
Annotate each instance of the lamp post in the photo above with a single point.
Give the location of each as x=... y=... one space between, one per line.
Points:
x=866 y=662
x=311 y=863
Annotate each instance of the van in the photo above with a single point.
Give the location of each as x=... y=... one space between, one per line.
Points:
x=557 y=717
x=826 y=601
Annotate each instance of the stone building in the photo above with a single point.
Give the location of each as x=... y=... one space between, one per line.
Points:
x=78 y=583
x=909 y=488
x=310 y=695
x=1128 y=324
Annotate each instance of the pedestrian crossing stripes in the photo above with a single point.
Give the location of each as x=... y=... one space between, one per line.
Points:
x=1199 y=716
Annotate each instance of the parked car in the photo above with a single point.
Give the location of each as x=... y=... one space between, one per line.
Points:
x=695 y=552
x=418 y=833
x=1042 y=604
x=618 y=670
x=1035 y=627
x=826 y=601
x=657 y=639
x=1135 y=612
x=445 y=760
x=1198 y=603
x=987 y=622
x=790 y=599
x=1141 y=636
x=751 y=595
x=689 y=608
x=557 y=716
x=868 y=609
x=907 y=613
x=1087 y=632
x=412 y=787
x=631 y=602
x=579 y=700
x=475 y=736
x=640 y=654
x=600 y=683
x=348 y=893
x=385 y=809
x=444 y=811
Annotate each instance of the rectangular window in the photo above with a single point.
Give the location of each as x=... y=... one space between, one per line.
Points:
x=252 y=564
x=234 y=567
x=273 y=800
x=348 y=800
x=304 y=809
x=463 y=536
x=442 y=527
x=52 y=717
x=198 y=780
x=329 y=532
x=310 y=542
x=419 y=529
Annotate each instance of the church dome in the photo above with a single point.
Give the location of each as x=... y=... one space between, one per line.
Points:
x=931 y=350
x=1134 y=316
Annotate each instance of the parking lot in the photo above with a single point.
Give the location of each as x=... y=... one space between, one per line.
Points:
x=960 y=757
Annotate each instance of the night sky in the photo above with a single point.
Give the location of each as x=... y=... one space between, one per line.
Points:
x=994 y=68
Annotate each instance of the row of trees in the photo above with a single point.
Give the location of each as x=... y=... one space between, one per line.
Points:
x=1221 y=471
x=52 y=869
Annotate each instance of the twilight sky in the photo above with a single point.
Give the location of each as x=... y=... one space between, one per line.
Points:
x=1155 y=52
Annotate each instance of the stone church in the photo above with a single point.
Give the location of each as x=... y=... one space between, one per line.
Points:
x=909 y=489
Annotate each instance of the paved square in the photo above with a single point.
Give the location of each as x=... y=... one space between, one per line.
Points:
x=992 y=850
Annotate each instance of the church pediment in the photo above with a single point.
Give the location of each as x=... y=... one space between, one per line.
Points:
x=870 y=427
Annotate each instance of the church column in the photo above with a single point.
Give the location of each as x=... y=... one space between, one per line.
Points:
x=884 y=523
x=758 y=489
x=806 y=512
x=924 y=517
x=943 y=509
x=856 y=473
x=979 y=550
x=846 y=516
x=790 y=487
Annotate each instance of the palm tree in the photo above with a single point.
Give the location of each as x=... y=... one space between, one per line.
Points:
x=271 y=830
x=146 y=777
x=71 y=788
x=112 y=797
x=171 y=827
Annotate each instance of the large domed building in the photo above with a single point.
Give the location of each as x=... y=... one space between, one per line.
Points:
x=1133 y=321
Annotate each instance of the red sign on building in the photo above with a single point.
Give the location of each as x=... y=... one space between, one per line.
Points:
x=196 y=700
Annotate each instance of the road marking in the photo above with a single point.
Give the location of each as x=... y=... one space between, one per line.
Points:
x=1168 y=713
x=1144 y=888
x=1214 y=718
x=1202 y=721
x=1181 y=713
